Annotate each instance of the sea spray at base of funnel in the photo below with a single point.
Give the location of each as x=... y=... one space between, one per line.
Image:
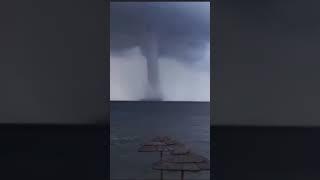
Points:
x=152 y=93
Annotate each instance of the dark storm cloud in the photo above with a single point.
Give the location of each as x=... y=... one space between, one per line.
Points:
x=168 y=37
x=267 y=62
x=181 y=28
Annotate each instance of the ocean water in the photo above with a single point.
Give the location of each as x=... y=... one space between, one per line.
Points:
x=133 y=123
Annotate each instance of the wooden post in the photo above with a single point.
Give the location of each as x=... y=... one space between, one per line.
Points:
x=182 y=175
x=161 y=172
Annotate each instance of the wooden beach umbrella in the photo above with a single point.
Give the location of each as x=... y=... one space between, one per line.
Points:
x=160 y=144
x=165 y=139
x=183 y=155
x=155 y=147
x=183 y=160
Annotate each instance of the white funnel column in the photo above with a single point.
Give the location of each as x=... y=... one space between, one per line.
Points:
x=150 y=51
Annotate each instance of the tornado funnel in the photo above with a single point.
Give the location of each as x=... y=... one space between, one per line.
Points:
x=150 y=51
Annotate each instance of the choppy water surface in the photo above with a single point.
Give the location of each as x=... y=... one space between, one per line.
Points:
x=132 y=123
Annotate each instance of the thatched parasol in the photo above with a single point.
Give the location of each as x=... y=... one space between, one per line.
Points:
x=160 y=144
x=165 y=139
x=183 y=160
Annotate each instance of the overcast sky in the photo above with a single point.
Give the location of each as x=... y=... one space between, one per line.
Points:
x=183 y=30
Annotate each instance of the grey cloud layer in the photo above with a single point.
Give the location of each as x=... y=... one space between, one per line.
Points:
x=182 y=28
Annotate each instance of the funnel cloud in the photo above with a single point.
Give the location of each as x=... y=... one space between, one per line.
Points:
x=160 y=33
x=151 y=53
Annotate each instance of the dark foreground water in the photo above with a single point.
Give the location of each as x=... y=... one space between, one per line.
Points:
x=132 y=123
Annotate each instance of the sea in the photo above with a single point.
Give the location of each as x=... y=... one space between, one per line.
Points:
x=133 y=123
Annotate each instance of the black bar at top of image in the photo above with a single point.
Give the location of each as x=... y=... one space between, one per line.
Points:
x=159 y=1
